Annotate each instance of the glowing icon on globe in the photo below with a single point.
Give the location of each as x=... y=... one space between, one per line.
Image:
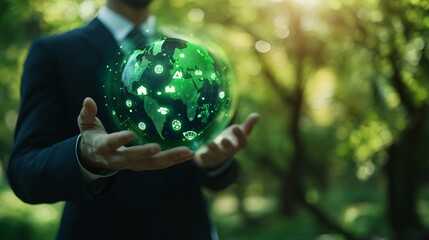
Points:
x=172 y=91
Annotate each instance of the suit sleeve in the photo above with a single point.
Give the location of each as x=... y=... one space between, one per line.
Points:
x=222 y=177
x=43 y=167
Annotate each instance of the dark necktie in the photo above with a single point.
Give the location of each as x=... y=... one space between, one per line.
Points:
x=134 y=40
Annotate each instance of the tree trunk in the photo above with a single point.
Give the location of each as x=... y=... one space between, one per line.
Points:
x=402 y=171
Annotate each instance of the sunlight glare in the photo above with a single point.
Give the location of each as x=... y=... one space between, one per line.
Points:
x=196 y=15
x=365 y=171
x=320 y=96
x=87 y=10
x=258 y=204
x=307 y=3
x=45 y=213
x=350 y=214
x=282 y=27
x=225 y=204
x=263 y=46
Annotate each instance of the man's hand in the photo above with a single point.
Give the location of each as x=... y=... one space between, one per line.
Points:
x=100 y=150
x=227 y=144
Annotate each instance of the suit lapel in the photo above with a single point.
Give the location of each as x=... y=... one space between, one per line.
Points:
x=100 y=39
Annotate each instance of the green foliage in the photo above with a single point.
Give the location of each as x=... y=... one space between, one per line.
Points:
x=23 y=221
x=338 y=83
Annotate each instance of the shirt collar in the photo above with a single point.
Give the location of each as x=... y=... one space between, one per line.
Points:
x=119 y=26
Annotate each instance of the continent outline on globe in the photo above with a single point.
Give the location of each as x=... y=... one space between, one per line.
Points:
x=171 y=91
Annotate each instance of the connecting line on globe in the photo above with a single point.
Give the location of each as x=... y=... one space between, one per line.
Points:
x=151 y=93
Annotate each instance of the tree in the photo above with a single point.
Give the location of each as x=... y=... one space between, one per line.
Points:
x=341 y=87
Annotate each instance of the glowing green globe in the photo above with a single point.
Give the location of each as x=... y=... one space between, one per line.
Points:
x=173 y=92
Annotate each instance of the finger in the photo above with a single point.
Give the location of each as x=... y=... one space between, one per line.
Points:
x=213 y=152
x=250 y=122
x=88 y=112
x=137 y=153
x=228 y=146
x=213 y=149
x=113 y=141
x=205 y=153
x=171 y=157
x=125 y=158
x=89 y=109
x=90 y=105
x=175 y=153
x=241 y=137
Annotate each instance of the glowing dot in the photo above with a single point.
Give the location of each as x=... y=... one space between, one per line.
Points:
x=113 y=113
x=176 y=124
x=200 y=71
x=159 y=69
x=221 y=94
x=141 y=90
x=190 y=135
x=163 y=110
x=142 y=125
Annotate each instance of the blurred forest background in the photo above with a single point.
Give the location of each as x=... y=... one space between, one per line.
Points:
x=341 y=151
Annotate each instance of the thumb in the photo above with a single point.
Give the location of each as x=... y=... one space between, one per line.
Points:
x=87 y=116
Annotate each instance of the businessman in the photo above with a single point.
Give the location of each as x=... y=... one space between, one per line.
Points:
x=67 y=149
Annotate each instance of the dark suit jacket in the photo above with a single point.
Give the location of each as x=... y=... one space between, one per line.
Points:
x=59 y=73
